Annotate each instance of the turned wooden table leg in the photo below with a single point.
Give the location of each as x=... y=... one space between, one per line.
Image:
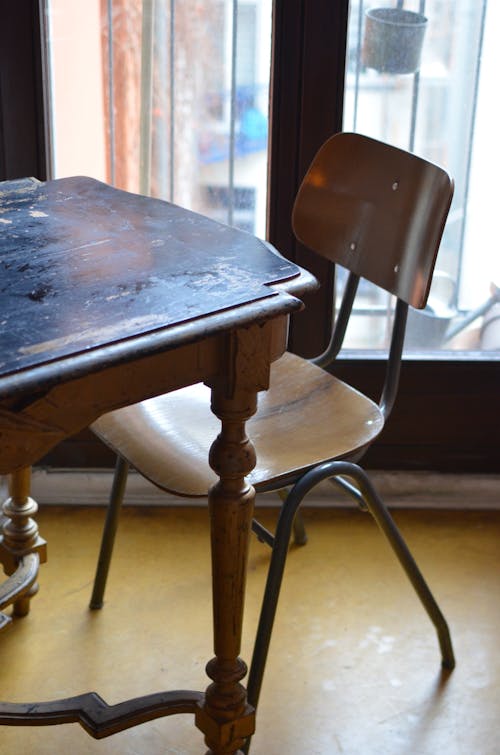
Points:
x=224 y=717
x=20 y=533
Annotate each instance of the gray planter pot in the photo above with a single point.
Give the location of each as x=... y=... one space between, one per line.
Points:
x=393 y=40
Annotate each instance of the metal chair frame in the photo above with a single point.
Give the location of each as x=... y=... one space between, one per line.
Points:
x=344 y=472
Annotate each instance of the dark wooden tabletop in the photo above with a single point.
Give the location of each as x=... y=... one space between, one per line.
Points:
x=84 y=265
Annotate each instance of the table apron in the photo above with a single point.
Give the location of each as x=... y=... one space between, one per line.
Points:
x=29 y=431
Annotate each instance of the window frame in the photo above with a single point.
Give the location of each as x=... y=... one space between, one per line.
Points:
x=22 y=120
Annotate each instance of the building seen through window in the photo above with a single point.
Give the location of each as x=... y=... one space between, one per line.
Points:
x=165 y=98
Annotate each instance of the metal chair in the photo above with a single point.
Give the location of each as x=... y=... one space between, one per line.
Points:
x=379 y=212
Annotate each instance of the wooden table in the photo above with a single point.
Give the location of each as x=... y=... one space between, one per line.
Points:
x=109 y=298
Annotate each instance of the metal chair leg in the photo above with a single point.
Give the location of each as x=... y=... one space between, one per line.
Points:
x=386 y=523
x=277 y=565
x=365 y=493
x=271 y=593
x=108 y=535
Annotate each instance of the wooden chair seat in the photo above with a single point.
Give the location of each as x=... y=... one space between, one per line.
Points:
x=307 y=416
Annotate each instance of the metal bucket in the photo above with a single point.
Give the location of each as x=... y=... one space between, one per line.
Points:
x=490 y=331
x=393 y=40
x=426 y=330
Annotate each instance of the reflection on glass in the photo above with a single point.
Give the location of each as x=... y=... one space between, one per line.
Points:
x=165 y=97
x=435 y=95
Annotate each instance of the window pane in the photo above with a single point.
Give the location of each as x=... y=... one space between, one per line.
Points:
x=430 y=87
x=165 y=97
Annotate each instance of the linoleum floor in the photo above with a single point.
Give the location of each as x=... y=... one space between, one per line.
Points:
x=354 y=667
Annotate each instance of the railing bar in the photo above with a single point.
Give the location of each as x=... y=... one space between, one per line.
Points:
x=468 y=164
x=46 y=31
x=414 y=97
x=111 y=93
x=172 y=98
x=358 y=66
x=232 y=123
x=414 y=108
x=160 y=137
x=146 y=94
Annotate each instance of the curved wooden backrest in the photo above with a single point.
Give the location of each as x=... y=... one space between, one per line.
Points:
x=376 y=210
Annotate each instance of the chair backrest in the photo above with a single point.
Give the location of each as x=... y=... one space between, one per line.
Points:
x=379 y=212
x=376 y=210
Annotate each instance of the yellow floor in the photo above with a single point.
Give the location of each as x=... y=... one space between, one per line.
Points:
x=354 y=664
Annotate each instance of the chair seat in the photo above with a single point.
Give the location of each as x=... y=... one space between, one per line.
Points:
x=307 y=416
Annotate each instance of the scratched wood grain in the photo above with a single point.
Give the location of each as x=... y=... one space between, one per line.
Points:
x=83 y=264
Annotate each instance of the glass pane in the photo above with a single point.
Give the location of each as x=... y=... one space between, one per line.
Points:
x=422 y=75
x=167 y=98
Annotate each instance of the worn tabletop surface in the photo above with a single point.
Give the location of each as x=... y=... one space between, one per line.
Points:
x=83 y=264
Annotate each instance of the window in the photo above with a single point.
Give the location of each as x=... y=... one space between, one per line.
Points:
x=420 y=75
x=165 y=98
